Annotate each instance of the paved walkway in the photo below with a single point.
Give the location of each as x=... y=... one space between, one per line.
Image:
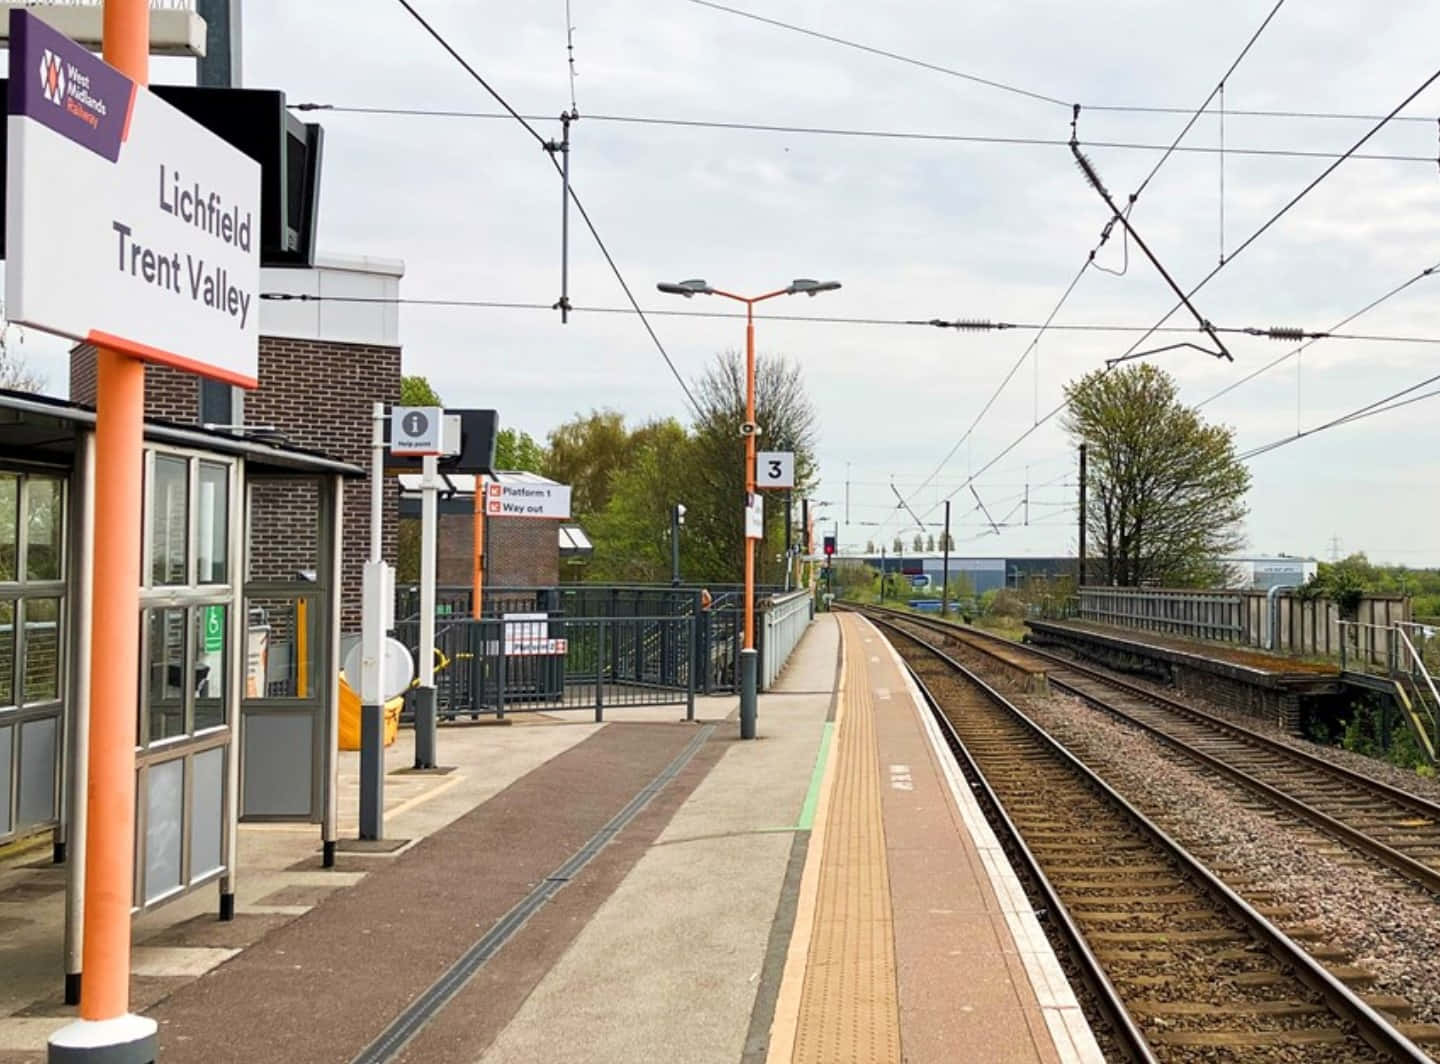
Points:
x=641 y=890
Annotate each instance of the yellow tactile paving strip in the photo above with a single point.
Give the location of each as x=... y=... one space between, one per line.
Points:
x=849 y=1004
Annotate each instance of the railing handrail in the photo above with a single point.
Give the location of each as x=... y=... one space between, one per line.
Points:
x=1420 y=664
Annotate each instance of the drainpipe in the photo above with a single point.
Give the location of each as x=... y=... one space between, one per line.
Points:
x=1273 y=609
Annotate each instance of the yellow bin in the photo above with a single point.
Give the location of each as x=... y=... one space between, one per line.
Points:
x=350 y=717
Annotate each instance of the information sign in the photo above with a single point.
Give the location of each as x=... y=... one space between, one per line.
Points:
x=417 y=430
x=505 y=498
x=755 y=517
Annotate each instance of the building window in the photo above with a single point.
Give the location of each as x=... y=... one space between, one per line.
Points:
x=187 y=604
x=169 y=521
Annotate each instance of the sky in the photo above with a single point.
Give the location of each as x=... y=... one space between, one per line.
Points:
x=914 y=229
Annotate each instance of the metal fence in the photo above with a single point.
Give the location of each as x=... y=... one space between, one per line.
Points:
x=1283 y=622
x=718 y=630
x=495 y=667
x=781 y=627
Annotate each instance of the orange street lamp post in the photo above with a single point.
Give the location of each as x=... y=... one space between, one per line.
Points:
x=749 y=430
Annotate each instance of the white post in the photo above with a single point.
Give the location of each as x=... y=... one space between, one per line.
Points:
x=372 y=640
x=425 y=724
x=377 y=478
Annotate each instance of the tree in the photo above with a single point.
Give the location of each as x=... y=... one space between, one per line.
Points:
x=632 y=534
x=1166 y=491
x=15 y=372
x=416 y=391
x=918 y=542
x=930 y=542
x=517 y=452
x=898 y=547
x=947 y=541
x=869 y=546
x=712 y=485
x=587 y=452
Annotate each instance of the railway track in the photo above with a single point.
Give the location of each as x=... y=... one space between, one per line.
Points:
x=1385 y=823
x=1186 y=969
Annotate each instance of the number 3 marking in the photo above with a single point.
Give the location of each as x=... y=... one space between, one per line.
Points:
x=774 y=470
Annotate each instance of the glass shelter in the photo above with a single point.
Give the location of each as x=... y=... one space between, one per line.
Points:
x=239 y=644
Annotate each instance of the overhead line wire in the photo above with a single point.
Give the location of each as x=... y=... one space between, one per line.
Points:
x=1379 y=406
x=1043 y=97
x=881 y=134
x=1105 y=235
x=1338 y=325
x=949 y=71
x=1219 y=87
x=821 y=319
x=1288 y=206
x=584 y=214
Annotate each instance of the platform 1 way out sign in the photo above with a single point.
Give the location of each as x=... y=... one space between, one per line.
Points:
x=522 y=499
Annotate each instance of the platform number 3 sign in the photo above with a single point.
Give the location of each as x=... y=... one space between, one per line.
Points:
x=775 y=469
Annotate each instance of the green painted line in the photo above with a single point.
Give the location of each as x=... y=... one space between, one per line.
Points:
x=812 y=796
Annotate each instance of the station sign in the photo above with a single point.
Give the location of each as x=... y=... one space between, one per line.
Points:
x=775 y=469
x=417 y=430
x=755 y=516
x=128 y=225
x=527 y=499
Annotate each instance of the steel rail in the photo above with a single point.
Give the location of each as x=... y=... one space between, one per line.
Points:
x=1379 y=1033
x=1419 y=872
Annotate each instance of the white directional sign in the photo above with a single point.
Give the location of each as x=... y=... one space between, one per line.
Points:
x=128 y=225
x=527 y=499
x=775 y=469
x=417 y=430
x=755 y=517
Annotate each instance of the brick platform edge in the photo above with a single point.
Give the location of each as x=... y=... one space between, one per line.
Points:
x=1280 y=699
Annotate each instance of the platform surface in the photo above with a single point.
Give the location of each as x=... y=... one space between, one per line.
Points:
x=1277 y=666
x=822 y=893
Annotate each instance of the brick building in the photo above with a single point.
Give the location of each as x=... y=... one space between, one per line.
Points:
x=322 y=366
x=520 y=551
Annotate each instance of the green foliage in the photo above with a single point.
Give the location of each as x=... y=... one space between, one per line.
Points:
x=1346 y=580
x=855 y=580
x=1167 y=492
x=416 y=391
x=624 y=480
x=517 y=452
x=918 y=543
x=1376 y=729
x=898 y=547
x=632 y=533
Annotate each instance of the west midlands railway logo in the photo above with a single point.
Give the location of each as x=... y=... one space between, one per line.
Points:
x=52 y=78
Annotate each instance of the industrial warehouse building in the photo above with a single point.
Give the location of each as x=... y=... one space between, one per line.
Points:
x=989 y=574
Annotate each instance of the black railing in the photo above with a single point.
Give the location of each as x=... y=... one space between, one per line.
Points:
x=717 y=633
x=491 y=667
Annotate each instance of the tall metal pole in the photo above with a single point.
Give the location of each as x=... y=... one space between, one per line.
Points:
x=789 y=540
x=425 y=701
x=1081 y=582
x=674 y=545
x=220 y=68
x=882 y=574
x=106 y=1030
x=945 y=570
x=372 y=638
x=566 y=118
x=749 y=665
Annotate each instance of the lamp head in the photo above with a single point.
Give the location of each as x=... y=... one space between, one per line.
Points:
x=810 y=287
x=686 y=288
